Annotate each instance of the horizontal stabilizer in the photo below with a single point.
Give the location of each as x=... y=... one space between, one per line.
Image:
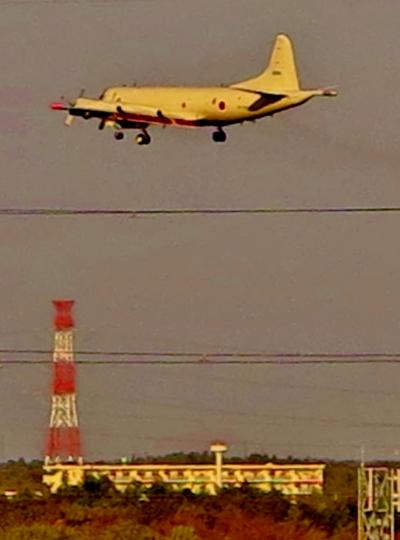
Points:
x=264 y=100
x=330 y=92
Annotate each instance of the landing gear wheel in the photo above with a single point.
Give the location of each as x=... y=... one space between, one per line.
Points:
x=143 y=139
x=118 y=135
x=219 y=136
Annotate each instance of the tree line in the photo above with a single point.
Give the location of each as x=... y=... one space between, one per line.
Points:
x=97 y=510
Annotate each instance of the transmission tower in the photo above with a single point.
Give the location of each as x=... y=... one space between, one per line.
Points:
x=64 y=441
x=377 y=503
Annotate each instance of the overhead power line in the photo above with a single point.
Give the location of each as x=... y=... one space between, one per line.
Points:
x=61 y=2
x=199 y=358
x=56 y=212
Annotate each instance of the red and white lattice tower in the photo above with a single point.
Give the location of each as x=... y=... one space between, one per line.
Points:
x=64 y=441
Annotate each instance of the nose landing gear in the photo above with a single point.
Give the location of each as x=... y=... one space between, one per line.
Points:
x=219 y=136
x=118 y=135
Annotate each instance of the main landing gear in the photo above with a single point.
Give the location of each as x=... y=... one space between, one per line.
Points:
x=219 y=136
x=143 y=138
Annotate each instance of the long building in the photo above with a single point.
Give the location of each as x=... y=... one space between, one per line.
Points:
x=290 y=480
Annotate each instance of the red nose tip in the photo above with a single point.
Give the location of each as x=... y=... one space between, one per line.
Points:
x=58 y=106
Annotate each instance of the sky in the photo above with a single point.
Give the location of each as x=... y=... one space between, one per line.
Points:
x=274 y=283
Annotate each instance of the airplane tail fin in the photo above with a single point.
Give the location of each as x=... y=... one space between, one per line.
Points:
x=281 y=73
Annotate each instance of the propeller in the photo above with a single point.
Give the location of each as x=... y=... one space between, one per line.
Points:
x=68 y=101
x=66 y=105
x=68 y=120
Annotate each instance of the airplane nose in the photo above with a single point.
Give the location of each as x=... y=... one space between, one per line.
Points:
x=58 y=106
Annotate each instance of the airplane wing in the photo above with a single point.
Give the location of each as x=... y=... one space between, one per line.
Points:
x=150 y=115
x=126 y=113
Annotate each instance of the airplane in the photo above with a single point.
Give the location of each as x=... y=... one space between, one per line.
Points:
x=137 y=107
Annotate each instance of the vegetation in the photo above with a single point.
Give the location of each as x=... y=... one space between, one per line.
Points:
x=97 y=510
x=19 y=476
